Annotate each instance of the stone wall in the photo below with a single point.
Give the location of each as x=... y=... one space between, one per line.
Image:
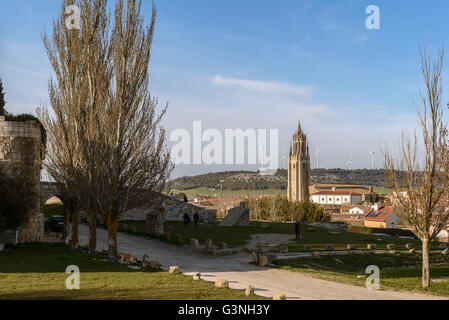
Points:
x=20 y=143
x=173 y=210
x=236 y=217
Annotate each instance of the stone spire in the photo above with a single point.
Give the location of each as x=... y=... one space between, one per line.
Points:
x=298 y=167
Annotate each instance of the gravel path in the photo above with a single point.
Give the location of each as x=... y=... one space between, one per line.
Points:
x=240 y=274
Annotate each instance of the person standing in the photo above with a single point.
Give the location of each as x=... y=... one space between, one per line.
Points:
x=185 y=199
x=297 y=226
x=196 y=218
x=186 y=219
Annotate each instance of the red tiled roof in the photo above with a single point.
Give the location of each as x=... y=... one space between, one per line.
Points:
x=336 y=193
x=382 y=214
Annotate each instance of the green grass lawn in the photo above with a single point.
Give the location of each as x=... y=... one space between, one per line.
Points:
x=400 y=271
x=237 y=236
x=53 y=210
x=37 y=271
x=233 y=236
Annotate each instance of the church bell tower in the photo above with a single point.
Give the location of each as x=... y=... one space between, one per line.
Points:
x=298 y=167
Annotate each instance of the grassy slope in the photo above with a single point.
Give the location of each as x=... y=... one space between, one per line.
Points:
x=37 y=271
x=397 y=271
x=208 y=192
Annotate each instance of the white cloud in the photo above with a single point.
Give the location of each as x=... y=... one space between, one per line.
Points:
x=264 y=86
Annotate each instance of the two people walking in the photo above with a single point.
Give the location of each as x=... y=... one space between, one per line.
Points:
x=196 y=219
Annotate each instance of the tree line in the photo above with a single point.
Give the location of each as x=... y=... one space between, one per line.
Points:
x=280 y=209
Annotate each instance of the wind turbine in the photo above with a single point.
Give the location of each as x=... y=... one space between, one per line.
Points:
x=284 y=156
x=372 y=159
x=350 y=163
x=317 y=153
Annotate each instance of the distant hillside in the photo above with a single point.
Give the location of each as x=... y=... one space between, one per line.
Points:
x=249 y=180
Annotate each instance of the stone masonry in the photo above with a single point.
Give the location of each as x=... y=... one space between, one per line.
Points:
x=238 y=216
x=173 y=210
x=21 y=142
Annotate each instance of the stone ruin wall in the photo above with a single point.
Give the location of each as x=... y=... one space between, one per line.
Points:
x=172 y=210
x=21 y=142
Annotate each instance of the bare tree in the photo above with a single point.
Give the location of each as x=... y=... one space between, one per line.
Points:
x=81 y=62
x=138 y=160
x=421 y=179
x=106 y=128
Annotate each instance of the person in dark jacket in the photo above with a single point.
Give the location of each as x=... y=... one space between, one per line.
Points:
x=297 y=225
x=185 y=199
x=186 y=219
x=196 y=218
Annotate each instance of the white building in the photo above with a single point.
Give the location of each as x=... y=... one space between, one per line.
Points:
x=357 y=210
x=336 y=197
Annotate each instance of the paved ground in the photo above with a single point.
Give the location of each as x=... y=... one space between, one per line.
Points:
x=240 y=274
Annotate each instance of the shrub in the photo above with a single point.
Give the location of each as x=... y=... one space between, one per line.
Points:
x=17 y=198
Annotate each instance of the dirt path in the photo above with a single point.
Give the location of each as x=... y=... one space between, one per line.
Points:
x=240 y=274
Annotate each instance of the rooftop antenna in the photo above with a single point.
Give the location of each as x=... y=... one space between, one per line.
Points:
x=317 y=152
x=372 y=159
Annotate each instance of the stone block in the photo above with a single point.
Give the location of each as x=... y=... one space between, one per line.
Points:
x=279 y=296
x=221 y=283
x=194 y=243
x=445 y=251
x=371 y=246
x=253 y=257
x=351 y=246
x=208 y=244
x=179 y=239
x=412 y=250
x=249 y=291
x=409 y=246
x=174 y=269
x=263 y=260
x=222 y=246
x=167 y=236
x=329 y=247
x=391 y=246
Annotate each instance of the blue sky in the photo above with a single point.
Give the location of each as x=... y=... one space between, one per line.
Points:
x=262 y=64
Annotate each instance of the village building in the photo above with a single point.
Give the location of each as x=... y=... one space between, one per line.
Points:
x=336 y=197
x=368 y=194
x=382 y=217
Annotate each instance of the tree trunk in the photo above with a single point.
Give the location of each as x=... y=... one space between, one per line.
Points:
x=112 y=224
x=92 y=233
x=425 y=264
x=66 y=231
x=75 y=220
